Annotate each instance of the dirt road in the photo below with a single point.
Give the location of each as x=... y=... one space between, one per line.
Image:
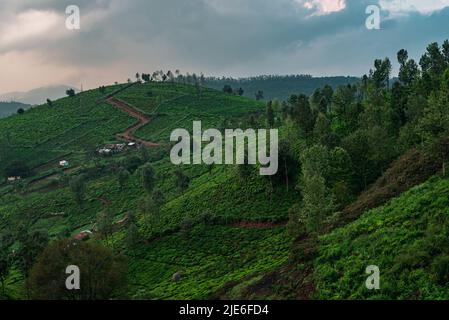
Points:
x=128 y=135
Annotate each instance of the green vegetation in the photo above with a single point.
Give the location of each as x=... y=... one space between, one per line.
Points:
x=279 y=87
x=407 y=238
x=341 y=200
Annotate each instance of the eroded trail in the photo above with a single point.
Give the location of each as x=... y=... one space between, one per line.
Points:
x=128 y=135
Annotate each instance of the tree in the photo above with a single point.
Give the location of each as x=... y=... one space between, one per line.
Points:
x=408 y=71
x=102 y=89
x=70 y=92
x=228 y=89
x=131 y=163
x=240 y=91
x=105 y=223
x=322 y=132
x=381 y=73
x=433 y=128
x=132 y=237
x=147 y=175
x=123 y=177
x=259 y=95
x=270 y=115
x=77 y=185
x=31 y=245
x=6 y=240
x=150 y=205
x=317 y=203
x=17 y=168
x=102 y=273
x=244 y=170
x=181 y=180
x=50 y=103
x=288 y=163
x=301 y=113
x=20 y=111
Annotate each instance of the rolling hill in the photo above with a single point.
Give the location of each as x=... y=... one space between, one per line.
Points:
x=9 y=108
x=224 y=233
x=280 y=87
x=36 y=96
x=218 y=234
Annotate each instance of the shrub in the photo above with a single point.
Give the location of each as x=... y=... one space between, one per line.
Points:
x=440 y=269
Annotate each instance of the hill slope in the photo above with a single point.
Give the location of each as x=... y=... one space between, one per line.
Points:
x=407 y=239
x=36 y=96
x=280 y=87
x=9 y=108
x=220 y=228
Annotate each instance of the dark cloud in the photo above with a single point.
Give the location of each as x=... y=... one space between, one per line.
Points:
x=232 y=37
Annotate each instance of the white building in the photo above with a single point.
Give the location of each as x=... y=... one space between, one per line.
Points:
x=63 y=163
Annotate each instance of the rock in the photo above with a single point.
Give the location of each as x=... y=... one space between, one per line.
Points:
x=177 y=276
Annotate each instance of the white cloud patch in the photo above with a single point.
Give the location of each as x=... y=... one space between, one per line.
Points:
x=398 y=7
x=28 y=25
x=323 y=7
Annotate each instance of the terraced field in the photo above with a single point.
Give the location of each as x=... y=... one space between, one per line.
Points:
x=73 y=127
x=207 y=257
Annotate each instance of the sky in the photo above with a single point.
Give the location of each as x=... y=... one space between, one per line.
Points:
x=238 y=38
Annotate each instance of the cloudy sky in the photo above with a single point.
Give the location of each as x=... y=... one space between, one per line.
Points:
x=217 y=37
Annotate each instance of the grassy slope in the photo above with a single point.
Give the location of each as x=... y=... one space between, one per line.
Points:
x=173 y=106
x=404 y=238
x=65 y=128
x=46 y=133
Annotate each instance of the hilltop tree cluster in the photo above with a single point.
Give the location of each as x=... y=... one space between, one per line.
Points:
x=350 y=136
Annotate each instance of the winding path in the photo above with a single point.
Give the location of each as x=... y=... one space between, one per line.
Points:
x=128 y=135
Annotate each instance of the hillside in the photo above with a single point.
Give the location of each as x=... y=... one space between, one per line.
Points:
x=222 y=243
x=407 y=239
x=362 y=180
x=36 y=96
x=9 y=108
x=280 y=87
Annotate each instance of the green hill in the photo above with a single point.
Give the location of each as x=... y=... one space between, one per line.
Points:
x=280 y=87
x=211 y=220
x=406 y=238
x=350 y=191
x=9 y=108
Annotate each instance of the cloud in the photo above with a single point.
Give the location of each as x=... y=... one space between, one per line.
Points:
x=396 y=7
x=28 y=25
x=324 y=7
x=233 y=37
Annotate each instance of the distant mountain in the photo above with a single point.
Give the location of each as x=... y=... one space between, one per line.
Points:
x=37 y=96
x=279 y=87
x=9 y=108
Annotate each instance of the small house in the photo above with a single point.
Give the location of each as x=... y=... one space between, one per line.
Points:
x=13 y=179
x=83 y=235
x=104 y=151
x=63 y=163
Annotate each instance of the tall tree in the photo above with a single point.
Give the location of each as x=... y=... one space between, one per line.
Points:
x=148 y=177
x=105 y=223
x=102 y=272
x=270 y=114
x=78 y=187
